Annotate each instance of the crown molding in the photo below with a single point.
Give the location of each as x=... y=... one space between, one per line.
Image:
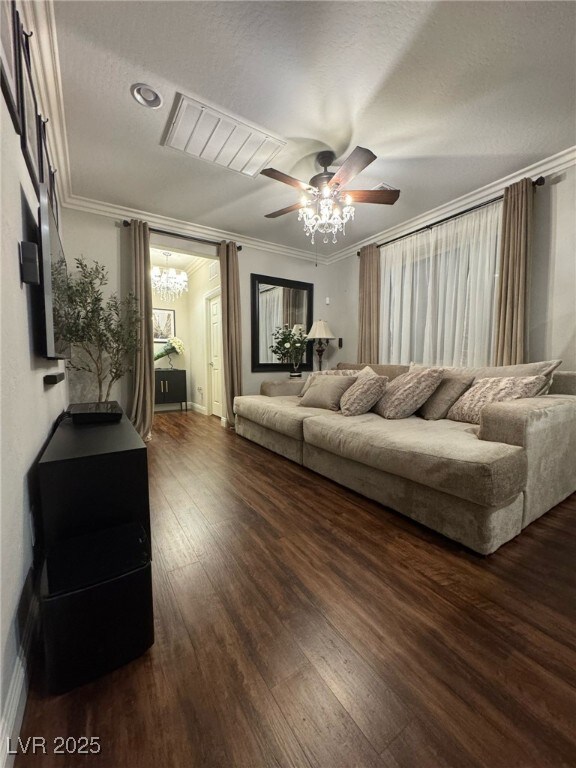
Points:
x=38 y=18
x=547 y=167
x=181 y=227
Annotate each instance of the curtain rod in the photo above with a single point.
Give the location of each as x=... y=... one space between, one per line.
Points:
x=126 y=223
x=540 y=181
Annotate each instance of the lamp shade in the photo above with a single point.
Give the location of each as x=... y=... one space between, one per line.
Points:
x=320 y=330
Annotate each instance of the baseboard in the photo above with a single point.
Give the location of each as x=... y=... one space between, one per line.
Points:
x=197 y=408
x=13 y=713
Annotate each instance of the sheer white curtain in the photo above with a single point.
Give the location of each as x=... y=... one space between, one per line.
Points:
x=438 y=292
x=271 y=312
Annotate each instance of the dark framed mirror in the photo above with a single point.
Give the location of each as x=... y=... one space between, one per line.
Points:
x=275 y=303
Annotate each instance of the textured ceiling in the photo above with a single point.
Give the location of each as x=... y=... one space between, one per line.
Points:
x=450 y=96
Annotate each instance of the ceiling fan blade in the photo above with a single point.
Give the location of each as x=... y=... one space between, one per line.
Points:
x=383 y=196
x=282 y=211
x=359 y=159
x=272 y=173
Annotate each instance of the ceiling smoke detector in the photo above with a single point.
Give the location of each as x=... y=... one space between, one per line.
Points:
x=146 y=95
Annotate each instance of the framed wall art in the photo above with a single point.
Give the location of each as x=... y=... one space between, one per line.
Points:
x=45 y=164
x=30 y=138
x=164 y=324
x=10 y=72
x=47 y=170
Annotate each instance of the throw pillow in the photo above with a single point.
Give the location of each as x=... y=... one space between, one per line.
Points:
x=544 y=368
x=382 y=369
x=326 y=391
x=494 y=390
x=452 y=386
x=366 y=371
x=332 y=372
x=407 y=392
x=362 y=395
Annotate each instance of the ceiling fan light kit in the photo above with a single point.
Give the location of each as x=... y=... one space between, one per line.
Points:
x=322 y=214
x=326 y=207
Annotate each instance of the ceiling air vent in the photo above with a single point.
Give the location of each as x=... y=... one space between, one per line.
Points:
x=205 y=132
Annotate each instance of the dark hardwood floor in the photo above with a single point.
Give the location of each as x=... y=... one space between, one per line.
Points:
x=298 y=624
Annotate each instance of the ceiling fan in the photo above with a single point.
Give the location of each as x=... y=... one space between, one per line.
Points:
x=326 y=206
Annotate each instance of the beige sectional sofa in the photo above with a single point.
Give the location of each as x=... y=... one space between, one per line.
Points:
x=479 y=485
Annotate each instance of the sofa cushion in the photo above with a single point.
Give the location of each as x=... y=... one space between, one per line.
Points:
x=452 y=386
x=444 y=455
x=326 y=391
x=391 y=371
x=281 y=414
x=363 y=394
x=331 y=372
x=496 y=390
x=544 y=368
x=563 y=383
x=407 y=392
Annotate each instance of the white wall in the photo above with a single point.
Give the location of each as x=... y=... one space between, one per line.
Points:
x=28 y=409
x=552 y=307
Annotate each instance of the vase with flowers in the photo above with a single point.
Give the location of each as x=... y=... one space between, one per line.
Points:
x=174 y=346
x=290 y=347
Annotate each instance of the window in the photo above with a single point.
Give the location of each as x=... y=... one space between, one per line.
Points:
x=438 y=292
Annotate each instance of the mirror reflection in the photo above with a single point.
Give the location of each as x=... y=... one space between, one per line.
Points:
x=278 y=303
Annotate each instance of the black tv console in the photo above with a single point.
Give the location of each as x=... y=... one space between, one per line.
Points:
x=94 y=533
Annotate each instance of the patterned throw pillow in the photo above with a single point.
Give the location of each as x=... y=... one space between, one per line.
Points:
x=310 y=379
x=326 y=392
x=544 y=368
x=406 y=393
x=367 y=371
x=486 y=391
x=363 y=394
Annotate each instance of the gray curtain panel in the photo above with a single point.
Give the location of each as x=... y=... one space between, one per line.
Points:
x=514 y=261
x=369 y=305
x=142 y=398
x=231 y=325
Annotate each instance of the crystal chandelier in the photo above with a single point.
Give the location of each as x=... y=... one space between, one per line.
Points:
x=169 y=284
x=327 y=213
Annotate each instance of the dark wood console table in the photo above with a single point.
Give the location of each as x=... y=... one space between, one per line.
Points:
x=94 y=533
x=170 y=386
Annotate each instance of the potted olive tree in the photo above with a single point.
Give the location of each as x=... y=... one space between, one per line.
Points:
x=103 y=332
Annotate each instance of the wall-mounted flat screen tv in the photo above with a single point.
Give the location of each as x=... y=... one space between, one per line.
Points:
x=54 y=275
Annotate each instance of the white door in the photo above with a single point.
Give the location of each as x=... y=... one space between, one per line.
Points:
x=215 y=356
